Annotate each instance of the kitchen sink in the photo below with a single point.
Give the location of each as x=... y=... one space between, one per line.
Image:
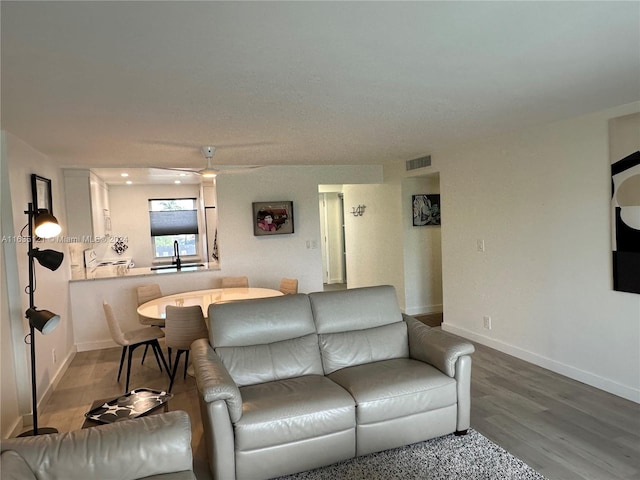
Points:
x=173 y=267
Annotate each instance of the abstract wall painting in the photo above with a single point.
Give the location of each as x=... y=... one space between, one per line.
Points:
x=624 y=152
x=426 y=209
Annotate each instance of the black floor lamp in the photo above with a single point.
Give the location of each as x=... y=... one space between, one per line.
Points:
x=44 y=225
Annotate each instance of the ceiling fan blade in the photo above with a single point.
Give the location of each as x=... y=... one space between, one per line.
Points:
x=183 y=170
x=231 y=170
x=196 y=147
x=211 y=170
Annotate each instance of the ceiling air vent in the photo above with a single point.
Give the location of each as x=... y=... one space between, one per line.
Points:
x=419 y=163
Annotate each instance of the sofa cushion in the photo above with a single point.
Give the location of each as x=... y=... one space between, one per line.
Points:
x=347 y=349
x=358 y=326
x=354 y=309
x=273 y=361
x=395 y=388
x=14 y=467
x=133 y=449
x=259 y=321
x=286 y=411
x=265 y=339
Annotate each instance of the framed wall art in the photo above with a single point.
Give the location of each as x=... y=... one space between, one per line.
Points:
x=41 y=193
x=272 y=218
x=426 y=209
x=624 y=152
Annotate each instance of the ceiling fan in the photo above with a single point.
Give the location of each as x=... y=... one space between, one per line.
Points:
x=209 y=171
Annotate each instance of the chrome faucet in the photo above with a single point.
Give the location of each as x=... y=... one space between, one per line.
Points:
x=176 y=255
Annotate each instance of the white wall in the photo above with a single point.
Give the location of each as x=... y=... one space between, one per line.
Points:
x=266 y=259
x=540 y=200
x=422 y=251
x=9 y=394
x=374 y=240
x=52 y=287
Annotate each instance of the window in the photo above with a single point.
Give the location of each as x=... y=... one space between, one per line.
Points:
x=171 y=220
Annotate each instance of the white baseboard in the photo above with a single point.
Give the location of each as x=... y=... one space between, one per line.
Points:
x=57 y=377
x=27 y=420
x=102 y=344
x=583 y=376
x=424 y=309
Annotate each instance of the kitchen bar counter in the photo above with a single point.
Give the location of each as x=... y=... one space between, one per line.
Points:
x=120 y=271
x=118 y=288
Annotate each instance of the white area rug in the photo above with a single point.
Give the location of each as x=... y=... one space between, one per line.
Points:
x=468 y=457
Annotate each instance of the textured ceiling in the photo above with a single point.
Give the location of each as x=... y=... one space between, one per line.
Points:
x=148 y=83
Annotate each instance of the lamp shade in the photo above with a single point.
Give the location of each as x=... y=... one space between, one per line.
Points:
x=48 y=258
x=46 y=225
x=43 y=320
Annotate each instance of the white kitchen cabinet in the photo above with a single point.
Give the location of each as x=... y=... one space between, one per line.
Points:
x=87 y=202
x=100 y=216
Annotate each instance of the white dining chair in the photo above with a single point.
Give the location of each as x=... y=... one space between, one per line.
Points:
x=146 y=293
x=183 y=326
x=231 y=282
x=289 y=286
x=133 y=339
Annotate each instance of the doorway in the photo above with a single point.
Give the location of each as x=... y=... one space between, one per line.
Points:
x=332 y=235
x=406 y=256
x=423 y=254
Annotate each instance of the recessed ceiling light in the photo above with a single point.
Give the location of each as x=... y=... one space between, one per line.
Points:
x=177 y=181
x=124 y=174
x=183 y=174
x=128 y=182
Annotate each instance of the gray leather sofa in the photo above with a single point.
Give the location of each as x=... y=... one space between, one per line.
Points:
x=153 y=447
x=291 y=383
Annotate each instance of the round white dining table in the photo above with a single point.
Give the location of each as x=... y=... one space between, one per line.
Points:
x=155 y=309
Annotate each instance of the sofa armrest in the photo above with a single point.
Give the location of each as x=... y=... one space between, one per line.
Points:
x=153 y=445
x=214 y=380
x=435 y=347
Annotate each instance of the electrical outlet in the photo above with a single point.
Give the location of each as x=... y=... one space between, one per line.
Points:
x=486 y=322
x=480 y=245
x=53 y=354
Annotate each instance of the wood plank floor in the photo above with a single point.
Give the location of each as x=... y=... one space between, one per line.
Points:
x=564 y=429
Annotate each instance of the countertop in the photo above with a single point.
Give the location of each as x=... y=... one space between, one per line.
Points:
x=120 y=271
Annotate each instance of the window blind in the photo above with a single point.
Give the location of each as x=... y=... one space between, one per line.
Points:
x=173 y=222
